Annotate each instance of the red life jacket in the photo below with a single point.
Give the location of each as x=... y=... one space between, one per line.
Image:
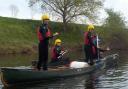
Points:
x=40 y=37
x=86 y=40
x=54 y=55
x=48 y=34
x=39 y=34
x=94 y=50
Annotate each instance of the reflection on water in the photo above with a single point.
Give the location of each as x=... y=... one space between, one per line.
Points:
x=113 y=78
x=1 y=85
x=81 y=82
x=116 y=78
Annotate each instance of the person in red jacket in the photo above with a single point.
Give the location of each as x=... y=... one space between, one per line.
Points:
x=88 y=44
x=44 y=34
x=91 y=46
x=57 y=54
x=57 y=50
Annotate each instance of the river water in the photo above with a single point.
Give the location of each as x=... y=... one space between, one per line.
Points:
x=112 y=78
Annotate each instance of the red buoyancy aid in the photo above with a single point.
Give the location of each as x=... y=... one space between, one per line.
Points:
x=86 y=40
x=94 y=50
x=40 y=37
x=48 y=34
x=54 y=55
x=39 y=34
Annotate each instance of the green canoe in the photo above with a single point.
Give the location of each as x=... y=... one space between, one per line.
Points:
x=12 y=76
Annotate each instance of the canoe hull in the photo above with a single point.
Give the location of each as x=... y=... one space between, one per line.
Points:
x=14 y=76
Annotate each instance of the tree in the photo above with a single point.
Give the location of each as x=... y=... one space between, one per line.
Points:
x=14 y=10
x=114 y=30
x=34 y=7
x=69 y=10
x=114 y=20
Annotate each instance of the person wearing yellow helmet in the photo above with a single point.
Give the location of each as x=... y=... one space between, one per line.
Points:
x=44 y=34
x=57 y=53
x=45 y=17
x=90 y=27
x=88 y=44
x=91 y=45
x=58 y=42
x=56 y=49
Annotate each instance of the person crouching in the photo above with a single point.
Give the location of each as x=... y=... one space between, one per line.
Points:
x=57 y=54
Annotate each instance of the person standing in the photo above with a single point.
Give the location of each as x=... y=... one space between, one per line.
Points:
x=88 y=44
x=44 y=34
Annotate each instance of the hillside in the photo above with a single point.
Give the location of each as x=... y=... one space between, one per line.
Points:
x=19 y=36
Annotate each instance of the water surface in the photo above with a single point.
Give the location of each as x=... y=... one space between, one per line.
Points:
x=112 y=78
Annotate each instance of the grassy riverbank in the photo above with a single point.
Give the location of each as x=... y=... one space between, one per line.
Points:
x=19 y=36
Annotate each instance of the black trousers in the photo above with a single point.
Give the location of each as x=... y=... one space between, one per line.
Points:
x=43 y=56
x=89 y=54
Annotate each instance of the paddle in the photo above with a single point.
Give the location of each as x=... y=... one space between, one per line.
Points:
x=62 y=53
x=98 y=48
x=98 y=52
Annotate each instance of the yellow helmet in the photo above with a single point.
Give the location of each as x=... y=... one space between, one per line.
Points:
x=57 y=41
x=45 y=17
x=90 y=27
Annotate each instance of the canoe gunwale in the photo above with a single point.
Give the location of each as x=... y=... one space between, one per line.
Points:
x=40 y=75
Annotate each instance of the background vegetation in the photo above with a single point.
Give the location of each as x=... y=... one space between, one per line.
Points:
x=19 y=36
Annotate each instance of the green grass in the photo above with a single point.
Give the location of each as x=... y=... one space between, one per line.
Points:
x=19 y=36
x=16 y=35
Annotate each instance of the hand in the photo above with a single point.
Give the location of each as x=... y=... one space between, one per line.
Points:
x=62 y=51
